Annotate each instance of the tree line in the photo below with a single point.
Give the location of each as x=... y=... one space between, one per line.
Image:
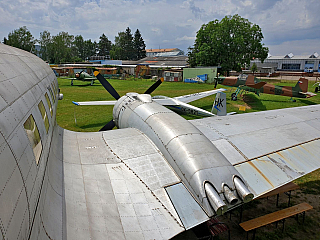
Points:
x=68 y=48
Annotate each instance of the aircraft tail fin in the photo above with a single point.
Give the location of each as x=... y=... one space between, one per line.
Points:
x=250 y=80
x=219 y=106
x=302 y=85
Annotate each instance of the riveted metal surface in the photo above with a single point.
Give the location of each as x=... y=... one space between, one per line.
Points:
x=264 y=132
x=170 y=125
x=93 y=150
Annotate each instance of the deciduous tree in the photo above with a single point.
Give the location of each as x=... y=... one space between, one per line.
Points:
x=21 y=38
x=230 y=43
x=45 y=42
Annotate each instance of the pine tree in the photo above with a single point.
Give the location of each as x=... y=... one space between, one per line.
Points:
x=139 y=46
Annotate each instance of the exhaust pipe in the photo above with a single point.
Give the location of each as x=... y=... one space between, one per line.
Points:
x=216 y=202
x=228 y=194
x=242 y=190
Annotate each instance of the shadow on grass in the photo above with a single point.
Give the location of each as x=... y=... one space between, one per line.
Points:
x=308 y=102
x=254 y=102
x=85 y=85
x=93 y=125
x=310 y=187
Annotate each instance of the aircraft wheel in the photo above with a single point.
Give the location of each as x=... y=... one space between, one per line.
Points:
x=91 y=83
x=233 y=97
x=317 y=89
x=71 y=83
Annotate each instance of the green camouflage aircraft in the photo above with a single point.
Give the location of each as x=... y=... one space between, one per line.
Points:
x=252 y=84
x=83 y=76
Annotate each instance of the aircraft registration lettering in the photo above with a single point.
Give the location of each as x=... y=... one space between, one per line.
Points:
x=218 y=102
x=190 y=111
x=192 y=95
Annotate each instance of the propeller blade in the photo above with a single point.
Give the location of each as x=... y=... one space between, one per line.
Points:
x=215 y=83
x=154 y=86
x=108 y=126
x=106 y=85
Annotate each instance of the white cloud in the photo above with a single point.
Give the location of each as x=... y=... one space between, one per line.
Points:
x=169 y=23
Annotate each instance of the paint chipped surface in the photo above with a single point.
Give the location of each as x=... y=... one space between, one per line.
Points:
x=266 y=173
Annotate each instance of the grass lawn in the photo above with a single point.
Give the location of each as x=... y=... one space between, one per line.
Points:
x=92 y=118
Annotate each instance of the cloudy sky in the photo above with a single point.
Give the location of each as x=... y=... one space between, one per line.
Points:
x=287 y=25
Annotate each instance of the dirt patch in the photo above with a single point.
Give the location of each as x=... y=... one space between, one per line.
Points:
x=294 y=229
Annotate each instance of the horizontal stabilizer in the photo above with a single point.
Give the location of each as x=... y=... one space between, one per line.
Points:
x=195 y=96
x=309 y=94
x=95 y=103
x=166 y=101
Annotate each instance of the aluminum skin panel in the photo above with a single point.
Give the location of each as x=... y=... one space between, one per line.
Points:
x=189 y=211
x=274 y=170
x=264 y=132
x=115 y=201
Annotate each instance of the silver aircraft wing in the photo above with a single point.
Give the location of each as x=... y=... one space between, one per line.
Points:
x=117 y=183
x=270 y=148
x=195 y=96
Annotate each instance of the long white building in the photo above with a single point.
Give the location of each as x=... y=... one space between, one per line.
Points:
x=289 y=62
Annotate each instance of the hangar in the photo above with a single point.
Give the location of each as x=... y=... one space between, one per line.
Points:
x=289 y=62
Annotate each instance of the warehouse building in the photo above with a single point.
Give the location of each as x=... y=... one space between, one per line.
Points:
x=289 y=62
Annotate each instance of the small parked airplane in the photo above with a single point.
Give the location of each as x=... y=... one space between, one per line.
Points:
x=252 y=84
x=83 y=76
x=180 y=104
x=154 y=177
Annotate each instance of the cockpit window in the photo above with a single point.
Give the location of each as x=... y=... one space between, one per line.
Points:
x=49 y=103
x=34 y=137
x=44 y=115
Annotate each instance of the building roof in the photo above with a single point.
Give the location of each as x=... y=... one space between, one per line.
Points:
x=315 y=55
x=162 y=50
x=168 y=61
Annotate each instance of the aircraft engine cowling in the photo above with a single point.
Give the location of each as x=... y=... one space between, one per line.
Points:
x=204 y=170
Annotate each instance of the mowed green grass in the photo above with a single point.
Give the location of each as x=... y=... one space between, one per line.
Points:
x=92 y=118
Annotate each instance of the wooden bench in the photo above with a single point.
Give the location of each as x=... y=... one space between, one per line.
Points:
x=287 y=188
x=281 y=215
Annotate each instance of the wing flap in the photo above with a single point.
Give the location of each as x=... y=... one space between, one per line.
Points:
x=189 y=211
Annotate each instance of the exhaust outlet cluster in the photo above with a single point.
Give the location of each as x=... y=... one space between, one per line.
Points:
x=218 y=204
